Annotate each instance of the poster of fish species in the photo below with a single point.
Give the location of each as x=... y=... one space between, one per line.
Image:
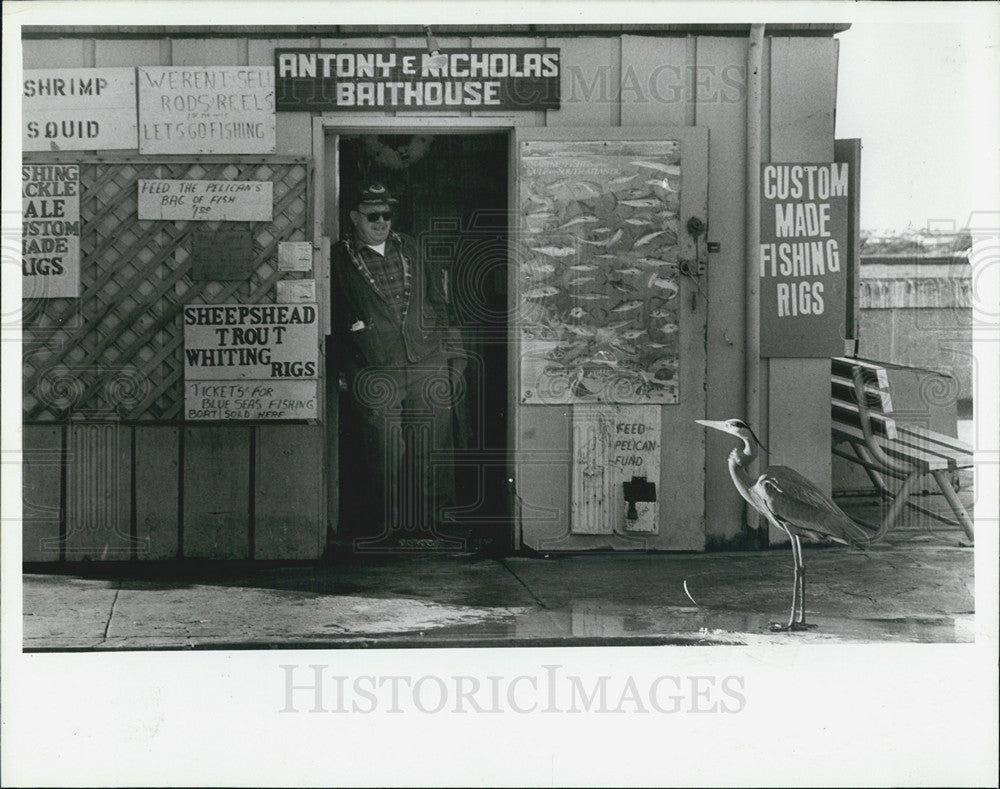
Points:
x=598 y=282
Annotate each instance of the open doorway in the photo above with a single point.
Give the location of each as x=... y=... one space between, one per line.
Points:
x=453 y=198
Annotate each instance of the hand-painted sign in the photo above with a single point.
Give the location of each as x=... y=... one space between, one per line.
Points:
x=78 y=109
x=250 y=341
x=227 y=400
x=50 y=240
x=251 y=361
x=232 y=201
x=413 y=79
x=206 y=109
x=803 y=259
x=612 y=445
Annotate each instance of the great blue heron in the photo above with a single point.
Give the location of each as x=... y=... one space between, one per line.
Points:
x=791 y=503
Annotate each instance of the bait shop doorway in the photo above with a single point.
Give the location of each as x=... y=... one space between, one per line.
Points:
x=452 y=189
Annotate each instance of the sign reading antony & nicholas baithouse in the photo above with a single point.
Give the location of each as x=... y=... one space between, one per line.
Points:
x=50 y=239
x=206 y=109
x=251 y=361
x=78 y=109
x=410 y=79
x=803 y=259
x=232 y=201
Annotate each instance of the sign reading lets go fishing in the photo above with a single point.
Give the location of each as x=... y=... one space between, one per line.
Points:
x=803 y=259
x=413 y=79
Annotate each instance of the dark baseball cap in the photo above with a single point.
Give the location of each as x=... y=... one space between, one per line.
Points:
x=375 y=192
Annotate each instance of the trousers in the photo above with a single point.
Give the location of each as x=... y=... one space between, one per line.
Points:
x=407 y=443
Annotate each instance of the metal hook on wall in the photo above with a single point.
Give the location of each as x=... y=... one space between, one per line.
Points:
x=693 y=269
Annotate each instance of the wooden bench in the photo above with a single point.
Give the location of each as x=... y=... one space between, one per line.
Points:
x=865 y=432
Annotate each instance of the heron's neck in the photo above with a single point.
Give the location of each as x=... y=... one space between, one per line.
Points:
x=739 y=469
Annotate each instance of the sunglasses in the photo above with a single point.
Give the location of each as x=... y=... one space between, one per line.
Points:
x=376 y=215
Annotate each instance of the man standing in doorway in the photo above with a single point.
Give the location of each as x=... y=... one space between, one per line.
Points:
x=389 y=317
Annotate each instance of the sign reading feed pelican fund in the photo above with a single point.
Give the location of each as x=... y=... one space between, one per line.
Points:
x=414 y=79
x=803 y=259
x=251 y=361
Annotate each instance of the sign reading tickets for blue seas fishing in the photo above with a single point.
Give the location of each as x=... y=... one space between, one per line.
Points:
x=414 y=79
x=803 y=259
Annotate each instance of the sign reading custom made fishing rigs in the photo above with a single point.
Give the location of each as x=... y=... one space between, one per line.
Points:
x=206 y=109
x=412 y=79
x=78 y=109
x=50 y=239
x=251 y=361
x=598 y=286
x=803 y=259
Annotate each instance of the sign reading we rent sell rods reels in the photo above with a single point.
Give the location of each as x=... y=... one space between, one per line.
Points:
x=803 y=259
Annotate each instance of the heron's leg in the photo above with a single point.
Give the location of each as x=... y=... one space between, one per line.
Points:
x=802 y=582
x=775 y=626
x=797 y=602
x=800 y=623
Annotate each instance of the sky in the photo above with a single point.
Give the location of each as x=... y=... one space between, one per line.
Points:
x=918 y=96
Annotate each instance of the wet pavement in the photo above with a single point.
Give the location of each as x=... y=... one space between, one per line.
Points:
x=914 y=588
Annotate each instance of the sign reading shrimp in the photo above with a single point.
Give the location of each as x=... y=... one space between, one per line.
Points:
x=803 y=259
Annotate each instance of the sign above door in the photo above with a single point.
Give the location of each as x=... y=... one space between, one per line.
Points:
x=503 y=79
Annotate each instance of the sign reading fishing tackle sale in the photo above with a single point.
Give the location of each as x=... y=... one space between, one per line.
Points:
x=50 y=240
x=251 y=361
x=803 y=259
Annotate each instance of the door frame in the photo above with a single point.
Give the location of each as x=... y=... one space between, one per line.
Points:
x=325 y=226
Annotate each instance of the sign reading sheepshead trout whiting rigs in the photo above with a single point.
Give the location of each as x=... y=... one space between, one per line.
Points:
x=803 y=259
x=598 y=274
x=251 y=361
x=412 y=79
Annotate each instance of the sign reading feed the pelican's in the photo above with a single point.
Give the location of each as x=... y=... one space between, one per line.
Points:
x=414 y=79
x=251 y=361
x=226 y=201
x=803 y=259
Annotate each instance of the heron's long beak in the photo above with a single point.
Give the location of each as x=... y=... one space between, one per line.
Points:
x=717 y=425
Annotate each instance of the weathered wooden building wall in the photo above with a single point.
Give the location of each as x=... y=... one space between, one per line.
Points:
x=128 y=482
x=257 y=491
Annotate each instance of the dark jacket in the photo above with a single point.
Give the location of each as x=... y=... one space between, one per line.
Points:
x=357 y=300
